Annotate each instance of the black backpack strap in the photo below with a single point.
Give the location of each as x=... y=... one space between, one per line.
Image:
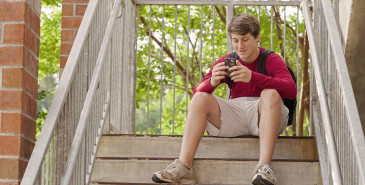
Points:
x=261 y=64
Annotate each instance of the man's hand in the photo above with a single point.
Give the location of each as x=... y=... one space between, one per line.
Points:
x=240 y=73
x=218 y=74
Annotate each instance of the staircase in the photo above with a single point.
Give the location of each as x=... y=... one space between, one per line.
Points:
x=98 y=89
x=126 y=159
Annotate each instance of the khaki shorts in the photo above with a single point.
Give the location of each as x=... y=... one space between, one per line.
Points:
x=239 y=117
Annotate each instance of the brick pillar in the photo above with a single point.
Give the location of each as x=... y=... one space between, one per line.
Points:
x=19 y=51
x=72 y=14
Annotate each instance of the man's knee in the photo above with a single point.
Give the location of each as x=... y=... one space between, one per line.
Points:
x=270 y=96
x=201 y=98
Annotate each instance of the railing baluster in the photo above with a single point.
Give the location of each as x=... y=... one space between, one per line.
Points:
x=259 y=19
x=187 y=62
x=271 y=27
x=162 y=43
x=297 y=62
x=213 y=33
x=136 y=59
x=285 y=36
x=149 y=69
x=173 y=109
x=201 y=43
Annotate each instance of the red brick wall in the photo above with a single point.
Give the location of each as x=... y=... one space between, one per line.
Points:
x=19 y=51
x=72 y=13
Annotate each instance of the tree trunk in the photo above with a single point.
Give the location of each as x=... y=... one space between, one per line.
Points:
x=304 y=103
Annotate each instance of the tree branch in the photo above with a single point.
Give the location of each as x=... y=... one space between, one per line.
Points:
x=221 y=16
x=180 y=67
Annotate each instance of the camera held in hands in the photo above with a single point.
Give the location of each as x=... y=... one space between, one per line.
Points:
x=229 y=62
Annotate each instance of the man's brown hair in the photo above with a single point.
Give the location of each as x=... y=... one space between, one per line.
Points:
x=243 y=24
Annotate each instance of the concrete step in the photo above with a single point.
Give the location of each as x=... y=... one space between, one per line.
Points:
x=114 y=183
x=207 y=171
x=288 y=148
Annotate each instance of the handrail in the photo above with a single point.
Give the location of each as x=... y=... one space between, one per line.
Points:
x=337 y=178
x=80 y=131
x=349 y=103
x=40 y=149
x=217 y=2
x=356 y=131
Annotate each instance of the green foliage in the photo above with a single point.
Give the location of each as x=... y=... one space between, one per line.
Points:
x=51 y=2
x=49 y=58
x=41 y=114
x=50 y=42
x=151 y=77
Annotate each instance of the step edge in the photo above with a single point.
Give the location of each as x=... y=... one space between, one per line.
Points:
x=143 y=135
x=202 y=159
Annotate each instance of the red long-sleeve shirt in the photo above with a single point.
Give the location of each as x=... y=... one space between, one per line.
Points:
x=278 y=78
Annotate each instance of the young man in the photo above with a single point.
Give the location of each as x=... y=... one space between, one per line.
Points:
x=255 y=108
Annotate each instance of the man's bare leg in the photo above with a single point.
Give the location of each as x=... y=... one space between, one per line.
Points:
x=203 y=107
x=269 y=123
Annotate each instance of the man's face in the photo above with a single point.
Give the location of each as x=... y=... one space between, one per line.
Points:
x=246 y=46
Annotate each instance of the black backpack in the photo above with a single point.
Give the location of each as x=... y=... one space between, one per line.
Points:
x=261 y=68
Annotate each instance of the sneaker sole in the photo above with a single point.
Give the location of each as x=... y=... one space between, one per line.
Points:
x=183 y=181
x=261 y=181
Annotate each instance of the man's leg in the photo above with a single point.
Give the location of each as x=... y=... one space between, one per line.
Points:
x=203 y=107
x=269 y=125
x=269 y=122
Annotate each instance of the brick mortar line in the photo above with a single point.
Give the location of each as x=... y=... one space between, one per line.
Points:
x=13 y=66
x=19 y=112
x=67 y=42
x=72 y=29
x=13 y=157
x=9 y=157
x=12 y=22
x=75 y=3
x=18 y=134
x=10 y=180
x=77 y=16
x=11 y=44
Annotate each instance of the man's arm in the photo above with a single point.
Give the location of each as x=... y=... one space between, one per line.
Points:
x=216 y=76
x=278 y=78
